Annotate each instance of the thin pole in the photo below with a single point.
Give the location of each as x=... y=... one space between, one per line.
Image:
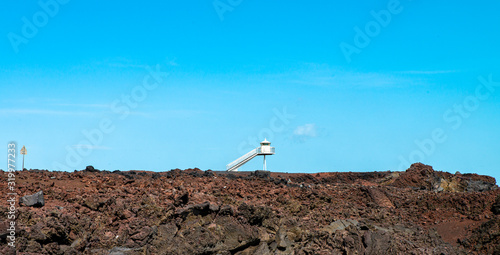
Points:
x=265 y=163
x=23 y=162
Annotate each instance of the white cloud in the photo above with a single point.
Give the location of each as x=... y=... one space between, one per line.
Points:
x=307 y=130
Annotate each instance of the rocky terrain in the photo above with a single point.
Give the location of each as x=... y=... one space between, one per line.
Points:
x=419 y=211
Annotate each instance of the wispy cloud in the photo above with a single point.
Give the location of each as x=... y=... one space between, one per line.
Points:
x=84 y=105
x=89 y=147
x=31 y=100
x=427 y=71
x=53 y=102
x=66 y=112
x=348 y=79
x=307 y=130
x=129 y=63
x=172 y=62
x=180 y=113
x=43 y=112
x=323 y=75
x=126 y=65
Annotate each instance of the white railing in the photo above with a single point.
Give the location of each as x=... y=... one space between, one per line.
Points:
x=242 y=158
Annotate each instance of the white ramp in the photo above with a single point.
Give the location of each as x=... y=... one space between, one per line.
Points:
x=233 y=166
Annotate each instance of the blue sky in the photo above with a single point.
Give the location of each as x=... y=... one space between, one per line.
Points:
x=224 y=75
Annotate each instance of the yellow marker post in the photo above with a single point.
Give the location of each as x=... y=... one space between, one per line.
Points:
x=24 y=152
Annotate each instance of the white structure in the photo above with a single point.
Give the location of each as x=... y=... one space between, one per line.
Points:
x=264 y=149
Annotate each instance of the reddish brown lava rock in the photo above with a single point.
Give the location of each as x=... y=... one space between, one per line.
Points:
x=419 y=211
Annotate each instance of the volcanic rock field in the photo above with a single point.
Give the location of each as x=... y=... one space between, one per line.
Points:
x=417 y=211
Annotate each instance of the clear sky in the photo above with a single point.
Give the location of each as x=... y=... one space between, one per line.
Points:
x=334 y=85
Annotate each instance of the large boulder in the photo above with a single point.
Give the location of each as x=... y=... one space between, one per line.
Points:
x=35 y=200
x=480 y=186
x=91 y=169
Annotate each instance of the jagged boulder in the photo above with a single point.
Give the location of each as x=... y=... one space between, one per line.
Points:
x=480 y=186
x=35 y=200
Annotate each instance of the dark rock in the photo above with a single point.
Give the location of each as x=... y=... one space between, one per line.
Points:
x=51 y=248
x=226 y=210
x=33 y=247
x=485 y=235
x=262 y=249
x=255 y=215
x=231 y=176
x=182 y=199
x=198 y=209
x=91 y=169
x=35 y=200
x=279 y=181
x=209 y=173
x=7 y=250
x=95 y=203
x=174 y=173
x=143 y=235
x=480 y=186
x=495 y=208
x=4 y=225
x=377 y=242
x=195 y=172
x=261 y=174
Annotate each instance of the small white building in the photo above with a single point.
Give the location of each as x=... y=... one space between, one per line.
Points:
x=264 y=149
